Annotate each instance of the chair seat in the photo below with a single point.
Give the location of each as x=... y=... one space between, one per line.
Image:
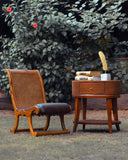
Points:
x=53 y=108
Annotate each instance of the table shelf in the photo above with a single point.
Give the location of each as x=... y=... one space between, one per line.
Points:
x=97 y=122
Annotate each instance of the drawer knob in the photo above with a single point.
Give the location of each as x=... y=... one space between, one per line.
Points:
x=90 y=88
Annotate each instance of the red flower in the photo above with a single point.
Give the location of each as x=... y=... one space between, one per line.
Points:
x=9 y=9
x=35 y=25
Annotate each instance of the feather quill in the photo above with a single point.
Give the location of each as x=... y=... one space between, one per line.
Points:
x=103 y=60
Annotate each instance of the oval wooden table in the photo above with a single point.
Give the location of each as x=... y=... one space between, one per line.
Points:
x=83 y=89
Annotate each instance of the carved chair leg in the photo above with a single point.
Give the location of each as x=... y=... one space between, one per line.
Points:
x=30 y=126
x=45 y=128
x=62 y=122
x=47 y=123
x=16 y=124
x=64 y=130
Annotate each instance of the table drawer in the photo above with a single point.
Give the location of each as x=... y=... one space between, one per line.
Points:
x=91 y=88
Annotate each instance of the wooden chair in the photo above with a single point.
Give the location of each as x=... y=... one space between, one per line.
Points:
x=28 y=98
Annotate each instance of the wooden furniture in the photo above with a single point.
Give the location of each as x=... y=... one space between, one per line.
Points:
x=28 y=99
x=110 y=90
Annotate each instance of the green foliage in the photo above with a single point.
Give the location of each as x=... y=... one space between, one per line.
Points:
x=66 y=39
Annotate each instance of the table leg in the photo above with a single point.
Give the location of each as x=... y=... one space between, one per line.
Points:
x=115 y=112
x=84 y=104
x=109 y=107
x=77 y=113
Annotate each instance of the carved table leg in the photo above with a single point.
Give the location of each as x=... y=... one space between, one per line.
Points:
x=84 y=104
x=109 y=107
x=77 y=113
x=115 y=112
x=16 y=124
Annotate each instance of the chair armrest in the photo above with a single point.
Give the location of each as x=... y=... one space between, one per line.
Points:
x=27 y=111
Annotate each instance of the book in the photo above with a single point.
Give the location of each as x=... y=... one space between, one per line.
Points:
x=83 y=78
x=88 y=73
x=94 y=78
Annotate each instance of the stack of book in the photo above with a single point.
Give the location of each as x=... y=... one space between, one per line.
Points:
x=88 y=75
